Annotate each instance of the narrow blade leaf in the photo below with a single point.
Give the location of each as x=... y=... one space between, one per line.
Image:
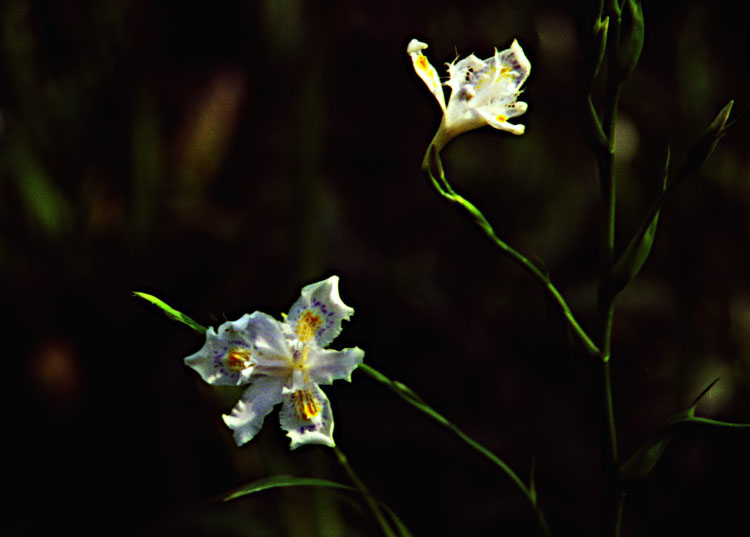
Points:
x=281 y=481
x=172 y=313
x=635 y=255
x=640 y=464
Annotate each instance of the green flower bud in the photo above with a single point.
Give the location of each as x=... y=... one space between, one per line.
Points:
x=703 y=148
x=631 y=40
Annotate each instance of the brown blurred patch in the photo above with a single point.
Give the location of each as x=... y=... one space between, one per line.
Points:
x=205 y=137
x=56 y=373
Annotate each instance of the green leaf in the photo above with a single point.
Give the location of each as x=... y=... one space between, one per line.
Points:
x=592 y=128
x=691 y=409
x=601 y=30
x=401 y=528
x=281 y=481
x=632 y=259
x=642 y=462
x=171 y=312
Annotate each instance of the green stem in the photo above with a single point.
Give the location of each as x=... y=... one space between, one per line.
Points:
x=619 y=508
x=600 y=9
x=408 y=395
x=607 y=175
x=611 y=430
x=369 y=498
x=613 y=496
x=434 y=168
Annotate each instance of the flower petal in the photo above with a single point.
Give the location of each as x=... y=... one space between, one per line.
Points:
x=500 y=120
x=516 y=108
x=325 y=365
x=226 y=355
x=515 y=60
x=317 y=314
x=425 y=70
x=269 y=343
x=256 y=403
x=306 y=416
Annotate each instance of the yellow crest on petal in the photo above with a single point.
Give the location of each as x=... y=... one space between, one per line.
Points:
x=238 y=359
x=307 y=325
x=306 y=405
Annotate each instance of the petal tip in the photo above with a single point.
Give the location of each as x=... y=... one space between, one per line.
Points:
x=415 y=46
x=321 y=440
x=521 y=58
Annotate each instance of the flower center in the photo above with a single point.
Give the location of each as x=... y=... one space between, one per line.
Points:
x=306 y=405
x=307 y=325
x=238 y=359
x=485 y=76
x=299 y=362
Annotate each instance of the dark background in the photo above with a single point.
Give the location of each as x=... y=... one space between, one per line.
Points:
x=223 y=155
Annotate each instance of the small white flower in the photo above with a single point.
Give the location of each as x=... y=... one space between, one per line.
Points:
x=483 y=92
x=284 y=362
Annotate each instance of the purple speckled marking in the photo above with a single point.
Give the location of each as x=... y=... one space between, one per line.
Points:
x=308 y=429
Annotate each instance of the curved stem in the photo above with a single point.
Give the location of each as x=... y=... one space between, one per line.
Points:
x=433 y=166
x=408 y=395
x=369 y=498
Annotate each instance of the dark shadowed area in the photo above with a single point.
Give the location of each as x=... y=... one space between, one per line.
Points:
x=222 y=155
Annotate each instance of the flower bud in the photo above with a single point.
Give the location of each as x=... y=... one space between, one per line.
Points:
x=631 y=40
x=703 y=148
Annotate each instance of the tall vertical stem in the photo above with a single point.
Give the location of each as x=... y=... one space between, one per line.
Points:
x=606 y=298
x=613 y=496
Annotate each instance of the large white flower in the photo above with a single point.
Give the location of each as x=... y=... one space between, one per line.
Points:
x=483 y=92
x=284 y=362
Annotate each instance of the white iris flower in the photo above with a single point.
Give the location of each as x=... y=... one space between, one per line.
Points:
x=483 y=92
x=283 y=362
